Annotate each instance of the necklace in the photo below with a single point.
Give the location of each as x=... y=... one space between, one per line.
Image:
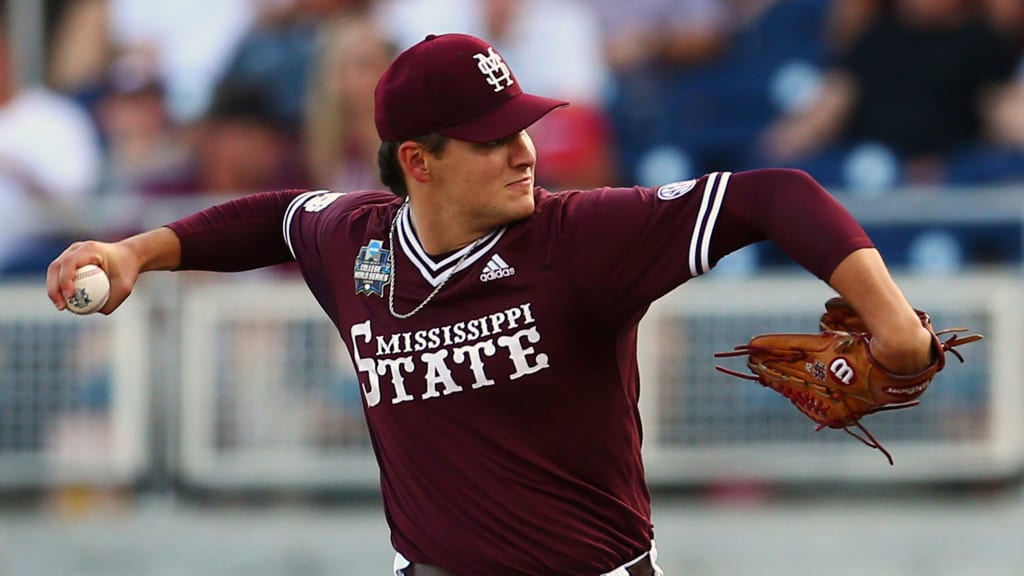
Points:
x=393 y=276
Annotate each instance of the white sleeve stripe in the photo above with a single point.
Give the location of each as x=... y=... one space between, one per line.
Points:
x=709 y=226
x=293 y=207
x=695 y=233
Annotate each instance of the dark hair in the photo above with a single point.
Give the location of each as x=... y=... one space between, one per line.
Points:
x=391 y=170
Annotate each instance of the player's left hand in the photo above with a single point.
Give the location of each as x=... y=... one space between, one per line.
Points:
x=832 y=376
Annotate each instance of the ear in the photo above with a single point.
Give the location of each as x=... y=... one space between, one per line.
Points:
x=413 y=159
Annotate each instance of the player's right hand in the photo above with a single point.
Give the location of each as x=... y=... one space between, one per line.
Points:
x=120 y=263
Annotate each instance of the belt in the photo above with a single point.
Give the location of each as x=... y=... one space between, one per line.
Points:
x=643 y=567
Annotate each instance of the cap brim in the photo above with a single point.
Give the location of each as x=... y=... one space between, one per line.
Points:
x=513 y=116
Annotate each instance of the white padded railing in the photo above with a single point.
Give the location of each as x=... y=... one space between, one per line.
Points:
x=269 y=398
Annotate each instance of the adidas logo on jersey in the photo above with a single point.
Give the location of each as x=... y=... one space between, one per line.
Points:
x=496 y=268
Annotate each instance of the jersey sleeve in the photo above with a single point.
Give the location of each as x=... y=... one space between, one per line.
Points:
x=236 y=235
x=630 y=246
x=311 y=216
x=300 y=234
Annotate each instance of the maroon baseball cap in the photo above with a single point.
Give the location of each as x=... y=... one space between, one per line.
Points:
x=456 y=85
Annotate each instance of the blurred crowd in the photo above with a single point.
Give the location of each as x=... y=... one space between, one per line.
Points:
x=168 y=98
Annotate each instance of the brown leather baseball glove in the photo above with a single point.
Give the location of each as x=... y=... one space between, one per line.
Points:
x=832 y=377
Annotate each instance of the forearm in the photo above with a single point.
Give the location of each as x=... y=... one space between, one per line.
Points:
x=157 y=249
x=899 y=341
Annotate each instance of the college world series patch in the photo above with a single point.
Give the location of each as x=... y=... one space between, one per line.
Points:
x=373 y=268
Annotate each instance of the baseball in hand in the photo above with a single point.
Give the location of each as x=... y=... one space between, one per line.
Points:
x=92 y=288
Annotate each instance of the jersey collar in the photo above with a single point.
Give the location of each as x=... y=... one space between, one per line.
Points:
x=434 y=271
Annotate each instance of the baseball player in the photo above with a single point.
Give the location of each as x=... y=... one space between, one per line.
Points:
x=493 y=324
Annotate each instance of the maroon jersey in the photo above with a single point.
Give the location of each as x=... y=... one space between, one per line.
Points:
x=503 y=413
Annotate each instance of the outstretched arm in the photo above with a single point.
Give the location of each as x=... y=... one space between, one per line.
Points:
x=241 y=234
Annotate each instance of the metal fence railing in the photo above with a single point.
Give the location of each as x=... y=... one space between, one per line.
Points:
x=73 y=392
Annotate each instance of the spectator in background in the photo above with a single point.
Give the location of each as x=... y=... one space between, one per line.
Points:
x=1005 y=110
x=142 y=142
x=1007 y=16
x=557 y=46
x=238 y=147
x=914 y=85
x=674 y=32
x=556 y=43
x=340 y=135
x=698 y=80
x=191 y=40
x=82 y=48
x=279 y=50
x=646 y=44
x=1005 y=114
x=49 y=163
x=848 y=19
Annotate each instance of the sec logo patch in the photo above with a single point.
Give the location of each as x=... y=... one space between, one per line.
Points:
x=676 y=189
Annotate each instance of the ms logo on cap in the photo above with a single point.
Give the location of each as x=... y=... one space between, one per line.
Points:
x=492 y=66
x=458 y=86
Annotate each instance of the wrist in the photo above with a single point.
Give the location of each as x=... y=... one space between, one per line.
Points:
x=158 y=249
x=903 y=352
